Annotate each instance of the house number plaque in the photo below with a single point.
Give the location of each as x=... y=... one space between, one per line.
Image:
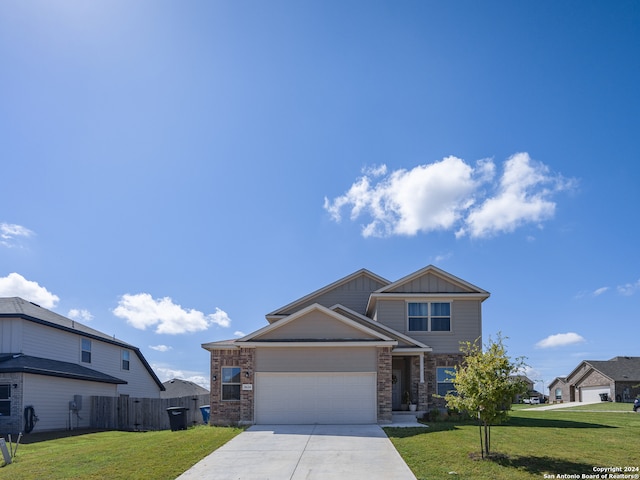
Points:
x=247 y=386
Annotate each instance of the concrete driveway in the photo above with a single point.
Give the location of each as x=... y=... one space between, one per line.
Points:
x=296 y=452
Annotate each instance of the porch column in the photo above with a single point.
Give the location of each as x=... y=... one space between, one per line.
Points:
x=421 y=367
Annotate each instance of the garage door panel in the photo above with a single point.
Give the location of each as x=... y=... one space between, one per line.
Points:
x=293 y=398
x=592 y=394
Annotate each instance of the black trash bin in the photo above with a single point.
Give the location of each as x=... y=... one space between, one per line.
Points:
x=177 y=418
x=604 y=397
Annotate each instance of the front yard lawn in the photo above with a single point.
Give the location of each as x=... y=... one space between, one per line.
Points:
x=116 y=455
x=531 y=444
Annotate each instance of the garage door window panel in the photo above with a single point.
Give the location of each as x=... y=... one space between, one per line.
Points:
x=231 y=383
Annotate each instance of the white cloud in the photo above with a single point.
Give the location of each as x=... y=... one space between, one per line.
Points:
x=523 y=196
x=451 y=195
x=629 y=288
x=442 y=257
x=77 y=314
x=9 y=232
x=239 y=334
x=142 y=311
x=560 y=340
x=221 y=318
x=160 y=348
x=599 y=291
x=15 y=285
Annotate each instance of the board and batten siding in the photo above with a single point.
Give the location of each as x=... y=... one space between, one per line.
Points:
x=428 y=284
x=466 y=323
x=316 y=359
x=50 y=399
x=353 y=294
x=315 y=325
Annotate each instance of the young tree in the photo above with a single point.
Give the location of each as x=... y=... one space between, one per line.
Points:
x=485 y=385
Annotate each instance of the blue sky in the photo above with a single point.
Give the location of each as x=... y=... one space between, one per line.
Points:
x=173 y=171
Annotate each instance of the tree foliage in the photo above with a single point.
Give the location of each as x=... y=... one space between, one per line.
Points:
x=486 y=384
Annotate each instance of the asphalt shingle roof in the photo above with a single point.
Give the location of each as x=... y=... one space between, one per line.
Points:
x=619 y=369
x=12 y=363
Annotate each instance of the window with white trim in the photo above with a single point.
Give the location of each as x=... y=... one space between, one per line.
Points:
x=85 y=351
x=429 y=316
x=230 y=383
x=126 y=359
x=5 y=400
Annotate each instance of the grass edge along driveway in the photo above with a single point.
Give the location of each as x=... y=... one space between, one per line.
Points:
x=530 y=445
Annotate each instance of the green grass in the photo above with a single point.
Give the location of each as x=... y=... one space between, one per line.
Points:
x=531 y=444
x=603 y=407
x=117 y=455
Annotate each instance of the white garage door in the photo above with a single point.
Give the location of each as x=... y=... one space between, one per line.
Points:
x=592 y=394
x=309 y=398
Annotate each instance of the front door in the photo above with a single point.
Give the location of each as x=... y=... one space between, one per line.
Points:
x=396 y=389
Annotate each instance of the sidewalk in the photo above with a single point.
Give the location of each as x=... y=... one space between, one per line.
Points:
x=556 y=406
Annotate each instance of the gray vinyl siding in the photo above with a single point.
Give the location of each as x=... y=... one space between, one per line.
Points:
x=316 y=359
x=315 y=325
x=50 y=399
x=353 y=295
x=428 y=284
x=10 y=335
x=466 y=324
x=45 y=342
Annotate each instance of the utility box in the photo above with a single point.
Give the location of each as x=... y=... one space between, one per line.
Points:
x=76 y=404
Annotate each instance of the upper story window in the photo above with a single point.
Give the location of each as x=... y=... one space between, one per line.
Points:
x=5 y=400
x=86 y=350
x=230 y=383
x=125 y=359
x=429 y=316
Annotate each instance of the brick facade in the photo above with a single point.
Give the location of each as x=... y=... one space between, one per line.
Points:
x=432 y=362
x=232 y=412
x=13 y=423
x=384 y=385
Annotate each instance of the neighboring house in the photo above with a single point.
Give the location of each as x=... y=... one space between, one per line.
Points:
x=348 y=353
x=50 y=365
x=618 y=379
x=531 y=392
x=176 y=388
x=560 y=391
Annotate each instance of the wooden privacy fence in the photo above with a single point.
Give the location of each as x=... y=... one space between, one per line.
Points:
x=128 y=413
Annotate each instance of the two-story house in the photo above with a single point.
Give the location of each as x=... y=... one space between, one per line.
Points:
x=351 y=352
x=50 y=365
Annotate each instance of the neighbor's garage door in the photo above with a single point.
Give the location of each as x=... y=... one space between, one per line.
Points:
x=308 y=398
x=592 y=394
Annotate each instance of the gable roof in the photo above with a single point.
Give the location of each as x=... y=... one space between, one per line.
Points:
x=429 y=280
x=367 y=334
x=435 y=271
x=618 y=369
x=176 y=387
x=18 y=363
x=12 y=307
x=411 y=343
x=311 y=298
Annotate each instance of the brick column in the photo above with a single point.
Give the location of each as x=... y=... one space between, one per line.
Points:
x=227 y=412
x=247 y=364
x=384 y=384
